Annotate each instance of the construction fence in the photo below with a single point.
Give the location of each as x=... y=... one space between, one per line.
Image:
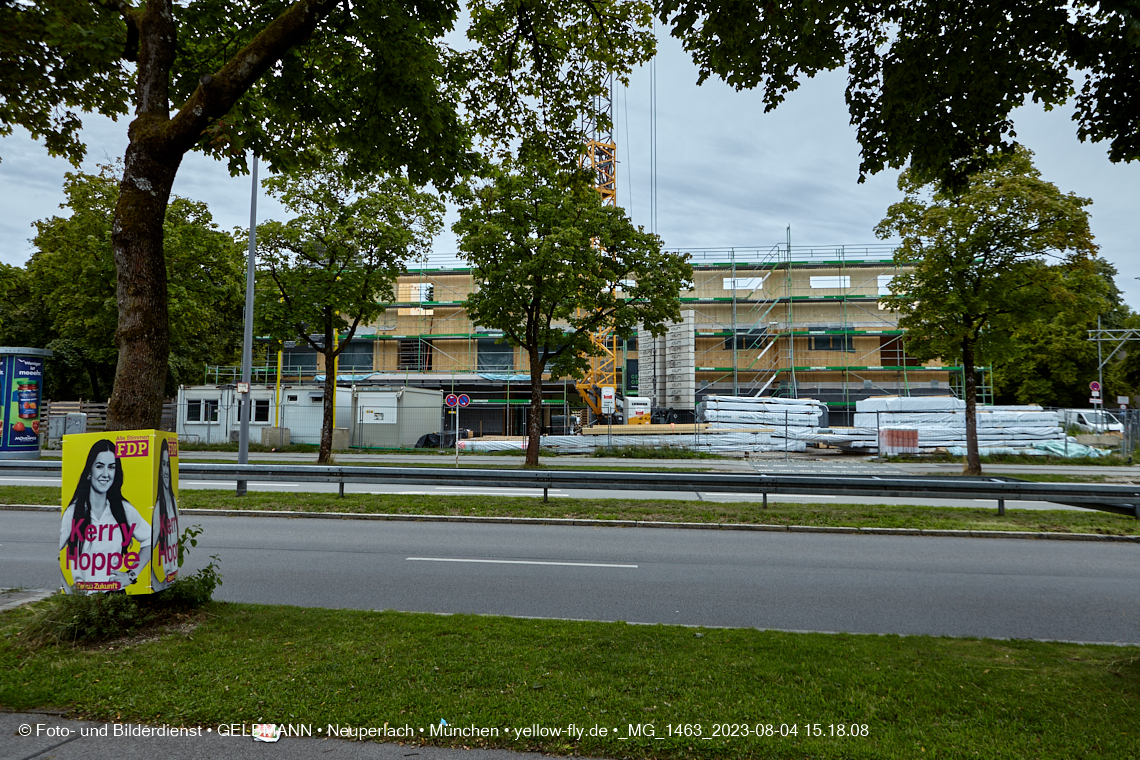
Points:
x=413 y=419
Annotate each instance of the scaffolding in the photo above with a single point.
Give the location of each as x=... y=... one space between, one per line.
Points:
x=781 y=320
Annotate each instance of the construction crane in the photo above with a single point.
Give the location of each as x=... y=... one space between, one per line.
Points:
x=600 y=159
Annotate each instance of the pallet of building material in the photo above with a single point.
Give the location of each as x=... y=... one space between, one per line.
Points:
x=763 y=418
x=669 y=429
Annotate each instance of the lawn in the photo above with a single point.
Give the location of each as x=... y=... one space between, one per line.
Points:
x=902 y=697
x=649 y=509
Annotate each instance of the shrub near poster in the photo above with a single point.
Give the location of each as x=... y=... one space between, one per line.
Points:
x=119 y=524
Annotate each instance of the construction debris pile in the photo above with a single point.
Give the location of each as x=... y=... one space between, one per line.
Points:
x=883 y=425
x=909 y=424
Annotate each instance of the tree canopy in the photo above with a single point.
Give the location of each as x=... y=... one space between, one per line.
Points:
x=291 y=81
x=323 y=273
x=932 y=83
x=555 y=263
x=975 y=265
x=65 y=297
x=1050 y=360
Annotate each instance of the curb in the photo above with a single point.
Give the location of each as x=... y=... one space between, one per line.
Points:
x=585 y=522
x=25 y=596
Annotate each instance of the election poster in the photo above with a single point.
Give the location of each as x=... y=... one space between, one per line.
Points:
x=119 y=524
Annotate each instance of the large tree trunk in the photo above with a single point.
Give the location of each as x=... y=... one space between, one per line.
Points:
x=157 y=144
x=970 y=389
x=534 y=423
x=143 y=334
x=325 y=454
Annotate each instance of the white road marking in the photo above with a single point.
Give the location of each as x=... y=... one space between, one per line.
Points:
x=228 y=483
x=493 y=490
x=513 y=562
x=34 y=480
x=771 y=496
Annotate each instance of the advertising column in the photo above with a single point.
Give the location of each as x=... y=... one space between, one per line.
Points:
x=21 y=382
x=119 y=525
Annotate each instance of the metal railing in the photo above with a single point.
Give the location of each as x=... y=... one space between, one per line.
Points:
x=1118 y=499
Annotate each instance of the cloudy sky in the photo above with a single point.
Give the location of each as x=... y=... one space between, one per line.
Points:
x=729 y=175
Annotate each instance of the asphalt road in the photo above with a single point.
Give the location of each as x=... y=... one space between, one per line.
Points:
x=566 y=493
x=1074 y=591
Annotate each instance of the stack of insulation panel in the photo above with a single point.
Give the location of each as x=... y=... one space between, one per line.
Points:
x=940 y=422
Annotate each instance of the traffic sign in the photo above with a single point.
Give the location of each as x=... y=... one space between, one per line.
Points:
x=1094 y=386
x=609 y=401
x=464 y=399
x=243 y=387
x=1096 y=401
x=451 y=399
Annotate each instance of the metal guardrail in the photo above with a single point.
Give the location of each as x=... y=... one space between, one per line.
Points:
x=1119 y=499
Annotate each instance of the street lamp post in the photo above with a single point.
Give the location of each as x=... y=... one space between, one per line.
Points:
x=246 y=405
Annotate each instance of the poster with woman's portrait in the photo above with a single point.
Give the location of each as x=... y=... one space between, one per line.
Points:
x=119 y=526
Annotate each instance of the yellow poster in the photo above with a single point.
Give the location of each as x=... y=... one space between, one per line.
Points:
x=119 y=527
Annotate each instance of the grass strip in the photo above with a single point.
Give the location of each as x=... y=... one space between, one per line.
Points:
x=1110 y=460
x=917 y=696
x=649 y=509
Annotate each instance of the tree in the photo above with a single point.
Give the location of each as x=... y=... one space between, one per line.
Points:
x=931 y=83
x=974 y=265
x=322 y=272
x=554 y=263
x=65 y=298
x=1051 y=359
x=288 y=81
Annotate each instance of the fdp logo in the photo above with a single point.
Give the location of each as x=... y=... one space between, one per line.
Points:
x=139 y=447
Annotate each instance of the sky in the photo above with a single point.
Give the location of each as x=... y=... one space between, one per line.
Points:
x=728 y=174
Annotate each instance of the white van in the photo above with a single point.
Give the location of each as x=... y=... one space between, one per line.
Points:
x=1091 y=421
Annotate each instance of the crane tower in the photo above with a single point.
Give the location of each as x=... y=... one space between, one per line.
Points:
x=600 y=158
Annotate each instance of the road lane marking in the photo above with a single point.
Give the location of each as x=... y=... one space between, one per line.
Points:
x=493 y=490
x=188 y=481
x=514 y=562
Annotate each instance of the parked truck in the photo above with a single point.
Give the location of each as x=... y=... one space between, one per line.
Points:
x=1091 y=421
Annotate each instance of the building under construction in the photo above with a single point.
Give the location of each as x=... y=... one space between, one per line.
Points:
x=786 y=321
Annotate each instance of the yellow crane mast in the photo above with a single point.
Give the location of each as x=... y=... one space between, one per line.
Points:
x=600 y=158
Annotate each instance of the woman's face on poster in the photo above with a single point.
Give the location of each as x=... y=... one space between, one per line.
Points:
x=165 y=467
x=103 y=471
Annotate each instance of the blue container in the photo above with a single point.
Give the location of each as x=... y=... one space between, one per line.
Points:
x=21 y=382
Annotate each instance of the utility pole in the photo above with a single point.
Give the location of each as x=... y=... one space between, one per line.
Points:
x=246 y=405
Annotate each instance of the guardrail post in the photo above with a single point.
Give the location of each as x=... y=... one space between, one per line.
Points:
x=544 y=494
x=765 y=495
x=1001 y=507
x=341 y=494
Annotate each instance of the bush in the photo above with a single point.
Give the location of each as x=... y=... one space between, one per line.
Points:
x=651 y=452
x=89 y=618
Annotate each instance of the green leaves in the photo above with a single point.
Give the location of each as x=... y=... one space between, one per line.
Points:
x=57 y=58
x=539 y=67
x=931 y=84
x=65 y=298
x=556 y=264
x=327 y=270
x=976 y=263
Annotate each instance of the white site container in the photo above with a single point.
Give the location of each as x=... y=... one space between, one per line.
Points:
x=394 y=417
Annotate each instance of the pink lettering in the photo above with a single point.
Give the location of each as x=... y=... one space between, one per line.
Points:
x=127 y=535
x=99 y=561
x=103 y=528
x=76 y=531
x=132 y=560
x=114 y=560
x=72 y=559
x=92 y=533
x=84 y=561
